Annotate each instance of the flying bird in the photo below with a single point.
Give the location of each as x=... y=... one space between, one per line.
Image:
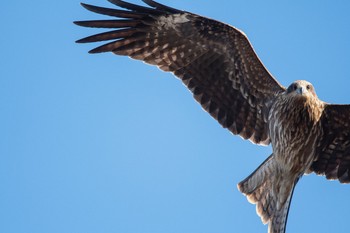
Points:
x=219 y=66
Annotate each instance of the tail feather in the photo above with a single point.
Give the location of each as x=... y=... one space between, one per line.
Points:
x=279 y=221
x=271 y=191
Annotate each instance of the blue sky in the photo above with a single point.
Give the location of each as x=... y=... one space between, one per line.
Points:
x=100 y=143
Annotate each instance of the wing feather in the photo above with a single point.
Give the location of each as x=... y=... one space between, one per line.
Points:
x=333 y=149
x=135 y=7
x=112 y=12
x=214 y=60
x=161 y=7
x=108 y=23
x=112 y=35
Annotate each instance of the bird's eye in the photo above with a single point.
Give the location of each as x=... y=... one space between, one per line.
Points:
x=308 y=87
x=295 y=87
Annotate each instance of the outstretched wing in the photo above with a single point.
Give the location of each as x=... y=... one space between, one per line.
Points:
x=333 y=150
x=214 y=60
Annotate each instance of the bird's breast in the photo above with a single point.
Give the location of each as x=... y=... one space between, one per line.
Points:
x=293 y=134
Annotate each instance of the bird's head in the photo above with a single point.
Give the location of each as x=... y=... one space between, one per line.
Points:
x=301 y=88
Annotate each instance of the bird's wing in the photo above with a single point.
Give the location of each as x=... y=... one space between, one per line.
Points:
x=333 y=149
x=214 y=60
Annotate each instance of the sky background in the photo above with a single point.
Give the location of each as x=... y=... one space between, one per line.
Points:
x=101 y=143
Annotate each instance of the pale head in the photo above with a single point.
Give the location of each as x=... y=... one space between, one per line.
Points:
x=301 y=88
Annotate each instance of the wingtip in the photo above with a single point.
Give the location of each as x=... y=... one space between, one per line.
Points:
x=82 y=23
x=79 y=23
x=95 y=51
x=84 y=5
x=92 y=52
x=80 y=41
x=87 y=6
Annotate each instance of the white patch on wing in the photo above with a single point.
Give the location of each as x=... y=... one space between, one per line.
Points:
x=171 y=21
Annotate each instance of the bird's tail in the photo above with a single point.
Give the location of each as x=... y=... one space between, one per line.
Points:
x=272 y=192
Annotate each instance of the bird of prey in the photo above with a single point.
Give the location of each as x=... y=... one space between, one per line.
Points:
x=219 y=66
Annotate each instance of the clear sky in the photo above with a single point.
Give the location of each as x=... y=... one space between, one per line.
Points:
x=100 y=143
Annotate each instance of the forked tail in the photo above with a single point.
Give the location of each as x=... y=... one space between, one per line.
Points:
x=271 y=190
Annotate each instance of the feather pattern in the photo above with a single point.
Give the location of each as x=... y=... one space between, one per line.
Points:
x=271 y=192
x=214 y=60
x=333 y=149
x=217 y=63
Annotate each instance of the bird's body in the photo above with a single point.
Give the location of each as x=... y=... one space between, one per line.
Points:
x=292 y=116
x=294 y=119
x=219 y=66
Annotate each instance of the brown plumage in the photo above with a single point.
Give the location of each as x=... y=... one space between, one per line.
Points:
x=219 y=66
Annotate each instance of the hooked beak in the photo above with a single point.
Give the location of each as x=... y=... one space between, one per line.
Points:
x=301 y=90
